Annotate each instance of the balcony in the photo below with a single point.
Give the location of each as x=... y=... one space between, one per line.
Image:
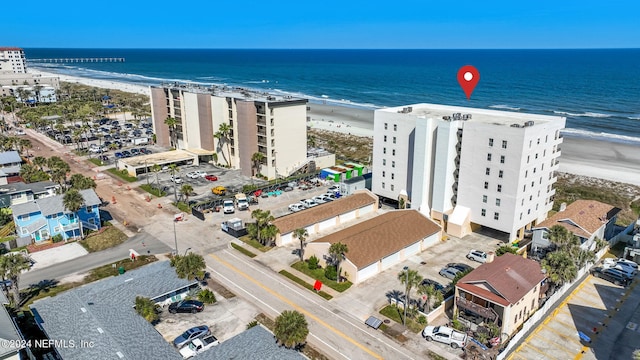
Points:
x=71 y=226
x=487 y=313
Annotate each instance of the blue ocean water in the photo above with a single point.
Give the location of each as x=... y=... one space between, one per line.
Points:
x=597 y=90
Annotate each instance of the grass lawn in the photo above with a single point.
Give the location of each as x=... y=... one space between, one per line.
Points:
x=318 y=274
x=255 y=243
x=33 y=294
x=184 y=207
x=96 y=161
x=396 y=313
x=107 y=238
x=305 y=284
x=153 y=191
x=243 y=250
x=122 y=175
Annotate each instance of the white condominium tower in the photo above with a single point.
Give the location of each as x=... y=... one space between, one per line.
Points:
x=274 y=126
x=466 y=167
x=12 y=60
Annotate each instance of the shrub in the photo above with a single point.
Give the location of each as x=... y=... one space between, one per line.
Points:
x=313 y=262
x=207 y=296
x=422 y=320
x=56 y=238
x=331 y=273
x=505 y=249
x=254 y=323
x=456 y=324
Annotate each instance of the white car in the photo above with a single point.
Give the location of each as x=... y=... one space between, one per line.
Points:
x=296 y=207
x=319 y=199
x=331 y=196
x=191 y=175
x=308 y=203
x=176 y=179
x=199 y=173
x=228 y=207
x=477 y=255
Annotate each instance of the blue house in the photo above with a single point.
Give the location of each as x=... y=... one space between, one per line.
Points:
x=46 y=217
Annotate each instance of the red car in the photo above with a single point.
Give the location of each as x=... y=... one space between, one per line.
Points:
x=257 y=193
x=211 y=177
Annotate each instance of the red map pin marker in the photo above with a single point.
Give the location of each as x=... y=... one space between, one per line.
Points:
x=468 y=77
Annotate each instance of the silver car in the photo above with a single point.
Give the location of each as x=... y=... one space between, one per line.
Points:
x=193 y=333
x=449 y=272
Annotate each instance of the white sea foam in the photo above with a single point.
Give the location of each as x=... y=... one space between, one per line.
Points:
x=505 y=107
x=602 y=136
x=585 y=114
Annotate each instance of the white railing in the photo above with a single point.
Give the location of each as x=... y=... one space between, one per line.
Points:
x=551 y=304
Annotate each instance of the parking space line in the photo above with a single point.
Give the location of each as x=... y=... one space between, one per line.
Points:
x=529 y=346
x=297 y=307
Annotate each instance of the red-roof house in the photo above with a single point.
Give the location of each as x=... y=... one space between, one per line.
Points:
x=504 y=291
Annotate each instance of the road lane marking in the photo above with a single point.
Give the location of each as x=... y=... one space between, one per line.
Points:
x=297 y=307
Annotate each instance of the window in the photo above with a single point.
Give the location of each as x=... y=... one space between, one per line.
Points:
x=392 y=176
x=530 y=142
x=497 y=202
x=394 y=139
x=538 y=141
x=89 y=209
x=393 y=164
x=393 y=152
x=25 y=217
x=384 y=162
x=501 y=159
x=528 y=158
x=490 y=142
x=391 y=187
x=483 y=212
x=536 y=155
x=499 y=188
x=489 y=157
x=486 y=185
x=496 y=216
x=484 y=198
x=56 y=229
x=383 y=185
x=25 y=231
x=383 y=174
x=534 y=170
x=384 y=150
x=395 y=127
x=386 y=126
x=526 y=173
x=520 y=216
x=54 y=216
x=500 y=173
x=504 y=144
x=385 y=138
x=524 y=188
x=487 y=171
x=533 y=183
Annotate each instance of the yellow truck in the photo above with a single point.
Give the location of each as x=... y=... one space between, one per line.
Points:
x=219 y=190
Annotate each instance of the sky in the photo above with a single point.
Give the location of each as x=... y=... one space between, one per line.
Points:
x=350 y=24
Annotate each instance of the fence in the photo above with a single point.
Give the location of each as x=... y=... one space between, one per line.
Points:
x=550 y=304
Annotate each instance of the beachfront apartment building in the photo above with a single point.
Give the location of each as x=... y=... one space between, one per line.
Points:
x=468 y=168
x=12 y=60
x=272 y=125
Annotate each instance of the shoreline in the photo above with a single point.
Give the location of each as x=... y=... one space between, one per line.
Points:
x=604 y=159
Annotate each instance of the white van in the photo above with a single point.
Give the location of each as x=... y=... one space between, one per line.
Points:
x=228 y=207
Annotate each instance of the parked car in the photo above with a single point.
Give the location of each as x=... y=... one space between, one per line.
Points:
x=308 y=203
x=191 y=334
x=219 y=190
x=436 y=285
x=197 y=346
x=326 y=197
x=449 y=272
x=460 y=266
x=186 y=306
x=296 y=207
x=191 y=175
x=145 y=151
x=446 y=335
x=103 y=158
x=176 y=179
x=135 y=152
x=331 y=196
x=628 y=262
x=477 y=255
x=612 y=276
x=126 y=153
x=228 y=207
x=211 y=177
x=199 y=173
x=118 y=155
x=319 y=199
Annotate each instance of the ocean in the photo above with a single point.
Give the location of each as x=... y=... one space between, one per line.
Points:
x=597 y=90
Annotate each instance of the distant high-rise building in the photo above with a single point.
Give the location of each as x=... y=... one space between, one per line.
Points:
x=465 y=167
x=12 y=60
x=274 y=126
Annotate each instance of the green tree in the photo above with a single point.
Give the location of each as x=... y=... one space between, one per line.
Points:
x=410 y=279
x=207 y=296
x=291 y=329
x=338 y=252
x=560 y=267
x=73 y=201
x=11 y=266
x=156 y=169
x=186 y=190
x=81 y=182
x=506 y=249
x=40 y=162
x=257 y=158
x=311 y=141
x=263 y=220
x=30 y=173
x=301 y=234
x=223 y=136
x=459 y=276
x=189 y=266
x=146 y=308
x=428 y=291
x=172 y=123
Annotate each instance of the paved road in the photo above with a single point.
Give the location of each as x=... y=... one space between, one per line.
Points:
x=85 y=263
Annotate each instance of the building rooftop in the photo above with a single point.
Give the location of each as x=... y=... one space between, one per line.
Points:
x=232 y=92
x=254 y=343
x=162 y=158
x=505 y=280
x=53 y=204
x=582 y=217
x=488 y=116
x=36 y=187
x=372 y=240
x=8 y=48
x=8 y=330
x=9 y=157
x=103 y=312
x=301 y=219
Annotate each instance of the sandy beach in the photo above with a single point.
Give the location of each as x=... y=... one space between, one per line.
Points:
x=587 y=157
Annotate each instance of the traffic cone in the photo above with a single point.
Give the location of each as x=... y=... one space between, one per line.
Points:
x=113 y=200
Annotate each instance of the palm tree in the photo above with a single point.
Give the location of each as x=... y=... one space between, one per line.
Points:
x=39 y=161
x=73 y=201
x=257 y=159
x=410 y=279
x=301 y=234
x=291 y=329
x=173 y=168
x=81 y=182
x=146 y=308
x=189 y=266
x=156 y=169
x=268 y=233
x=172 y=123
x=11 y=266
x=25 y=144
x=338 y=251
x=560 y=267
x=185 y=191
x=428 y=291
x=311 y=141
x=223 y=133
x=263 y=218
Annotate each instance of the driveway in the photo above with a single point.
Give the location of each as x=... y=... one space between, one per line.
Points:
x=56 y=255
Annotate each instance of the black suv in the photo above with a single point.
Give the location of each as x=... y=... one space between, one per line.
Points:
x=186 y=306
x=612 y=276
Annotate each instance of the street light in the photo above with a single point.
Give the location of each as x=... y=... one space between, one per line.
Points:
x=185 y=252
x=406 y=296
x=175 y=237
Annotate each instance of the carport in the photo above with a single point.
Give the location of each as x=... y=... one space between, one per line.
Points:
x=142 y=163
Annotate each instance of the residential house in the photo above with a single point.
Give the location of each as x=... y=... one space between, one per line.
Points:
x=20 y=193
x=103 y=313
x=586 y=219
x=378 y=243
x=10 y=334
x=10 y=163
x=505 y=290
x=254 y=343
x=44 y=218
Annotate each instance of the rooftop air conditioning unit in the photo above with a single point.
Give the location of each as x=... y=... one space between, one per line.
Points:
x=515 y=125
x=446 y=117
x=529 y=123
